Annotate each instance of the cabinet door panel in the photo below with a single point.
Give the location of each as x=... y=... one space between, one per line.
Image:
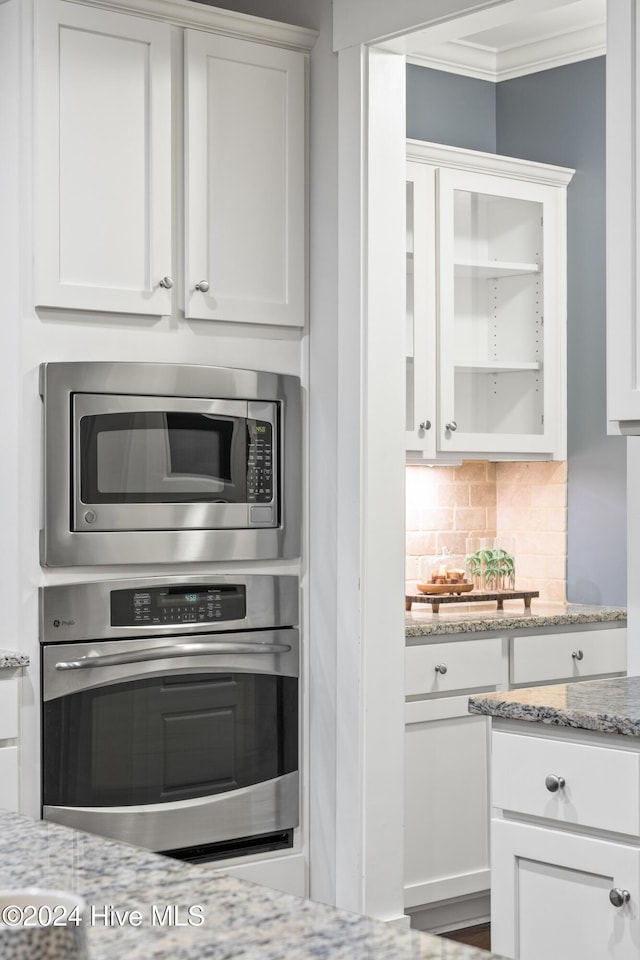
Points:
x=501 y=315
x=103 y=201
x=550 y=895
x=9 y=778
x=245 y=165
x=446 y=806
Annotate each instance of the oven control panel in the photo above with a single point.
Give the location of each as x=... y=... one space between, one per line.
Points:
x=178 y=604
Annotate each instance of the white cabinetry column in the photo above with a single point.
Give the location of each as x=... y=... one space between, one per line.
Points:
x=370 y=642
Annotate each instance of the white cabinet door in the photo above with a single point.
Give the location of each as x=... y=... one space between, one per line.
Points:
x=245 y=257
x=421 y=311
x=103 y=160
x=501 y=315
x=623 y=219
x=550 y=895
x=446 y=801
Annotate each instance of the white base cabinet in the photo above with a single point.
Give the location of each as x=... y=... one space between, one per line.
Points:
x=9 y=691
x=551 y=891
x=447 y=756
x=565 y=860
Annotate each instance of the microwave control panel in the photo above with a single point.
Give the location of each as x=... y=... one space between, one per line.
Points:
x=260 y=462
x=179 y=604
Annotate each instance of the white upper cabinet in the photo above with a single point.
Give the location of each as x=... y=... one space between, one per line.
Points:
x=245 y=181
x=496 y=284
x=110 y=84
x=623 y=219
x=103 y=176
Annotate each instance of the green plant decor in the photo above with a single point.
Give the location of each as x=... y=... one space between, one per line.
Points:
x=492 y=569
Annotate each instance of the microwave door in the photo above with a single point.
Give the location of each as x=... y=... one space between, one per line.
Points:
x=151 y=463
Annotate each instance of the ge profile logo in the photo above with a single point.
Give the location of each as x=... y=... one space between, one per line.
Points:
x=56 y=623
x=64 y=623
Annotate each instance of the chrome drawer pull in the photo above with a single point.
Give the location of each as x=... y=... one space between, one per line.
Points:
x=441 y=668
x=577 y=655
x=553 y=783
x=619 y=897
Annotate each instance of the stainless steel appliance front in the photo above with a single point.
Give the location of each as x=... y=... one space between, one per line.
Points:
x=170 y=709
x=169 y=463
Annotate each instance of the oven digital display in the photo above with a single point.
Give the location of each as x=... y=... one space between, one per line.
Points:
x=175 y=605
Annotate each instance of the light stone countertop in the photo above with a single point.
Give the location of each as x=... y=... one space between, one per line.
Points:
x=13 y=658
x=482 y=617
x=241 y=919
x=605 y=706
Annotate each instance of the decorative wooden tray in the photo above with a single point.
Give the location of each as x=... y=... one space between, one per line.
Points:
x=480 y=596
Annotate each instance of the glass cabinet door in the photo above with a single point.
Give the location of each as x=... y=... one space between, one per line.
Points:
x=500 y=301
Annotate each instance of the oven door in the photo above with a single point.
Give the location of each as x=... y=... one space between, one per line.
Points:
x=173 y=742
x=173 y=463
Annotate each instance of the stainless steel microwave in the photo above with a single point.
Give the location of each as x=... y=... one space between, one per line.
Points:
x=169 y=463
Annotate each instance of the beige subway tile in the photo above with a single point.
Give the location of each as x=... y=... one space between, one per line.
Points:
x=418 y=544
x=482 y=494
x=438 y=518
x=491 y=472
x=411 y=568
x=549 y=495
x=453 y=542
x=553 y=591
x=492 y=521
x=551 y=543
x=471 y=470
x=453 y=495
x=443 y=474
x=532 y=471
x=469 y=518
x=541 y=567
x=513 y=495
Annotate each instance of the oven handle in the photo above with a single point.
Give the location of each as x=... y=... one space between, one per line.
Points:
x=163 y=653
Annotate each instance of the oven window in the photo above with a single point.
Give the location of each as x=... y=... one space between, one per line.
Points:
x=176 y=737
x=156 y=457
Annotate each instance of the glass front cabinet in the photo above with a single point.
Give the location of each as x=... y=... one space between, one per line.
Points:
x=486 y=306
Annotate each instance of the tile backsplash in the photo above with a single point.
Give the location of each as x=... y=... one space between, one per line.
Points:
x=523 y=500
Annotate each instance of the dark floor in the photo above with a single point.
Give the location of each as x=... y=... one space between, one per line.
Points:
x=479 y=936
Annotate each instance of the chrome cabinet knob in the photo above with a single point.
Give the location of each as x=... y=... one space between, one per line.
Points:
x=577 y=655
x=553 y=783
x=619 y=897
x=452 y=426
x=441 y=668
x=425 y=425
x=167 y=283
x=202 y=286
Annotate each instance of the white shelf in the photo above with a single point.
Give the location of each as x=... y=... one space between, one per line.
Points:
x=496 y=366
x=490 y=269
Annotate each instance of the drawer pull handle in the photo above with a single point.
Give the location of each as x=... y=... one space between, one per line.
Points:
x=619 y=897
x=553 y=783
x=441 y=668
x=577 y=655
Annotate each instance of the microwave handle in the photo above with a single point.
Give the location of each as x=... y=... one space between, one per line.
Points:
x=163 y=653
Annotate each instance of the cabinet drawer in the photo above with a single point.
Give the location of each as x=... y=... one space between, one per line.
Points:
x=537 y=659
x=8 y=707
x=601 y=786
x=9 y=778
x=463 y=665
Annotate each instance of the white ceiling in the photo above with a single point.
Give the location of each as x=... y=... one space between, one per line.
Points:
x=513 y=39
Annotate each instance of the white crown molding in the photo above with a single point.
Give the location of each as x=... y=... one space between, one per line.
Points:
x=185 y=13
x=459 y=158
x=482 y=63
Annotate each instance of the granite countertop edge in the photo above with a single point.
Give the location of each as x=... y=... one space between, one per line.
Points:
x=13 y=658
x=241 y=919
x=578 y=719
x=425 y=623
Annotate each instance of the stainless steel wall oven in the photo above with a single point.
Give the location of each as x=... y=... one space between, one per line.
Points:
x=170 y=711
x=166 y=463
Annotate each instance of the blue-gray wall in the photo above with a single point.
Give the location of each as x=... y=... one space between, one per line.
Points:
x=446 y=108
x=558 y=116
